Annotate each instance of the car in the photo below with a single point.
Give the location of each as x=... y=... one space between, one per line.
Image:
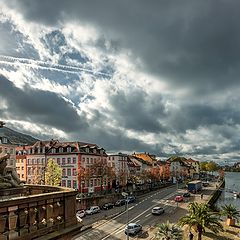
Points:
x=130 y=199
x=92 y=210
x=133 y=228
x=81 y=213
x=186 y=194
x=107 y=206
x=178 y=198
x=157 y=210
x=120 y=202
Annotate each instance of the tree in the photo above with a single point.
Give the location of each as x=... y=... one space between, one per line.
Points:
x=53 y=174
x=168 y=231
x=200 y=217
x=231 y=212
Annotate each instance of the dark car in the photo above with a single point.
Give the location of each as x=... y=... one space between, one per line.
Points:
x=107 y=206
x=120 y=202
x=131 y=199
x=186 y=194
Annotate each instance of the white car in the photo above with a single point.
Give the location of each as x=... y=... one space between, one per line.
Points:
x=92 y=210
x=133 y=228
x=157 y=211
x=81 y=213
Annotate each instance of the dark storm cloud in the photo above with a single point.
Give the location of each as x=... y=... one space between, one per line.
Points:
x=191 y=43
x=39 y=106
x=138 y=111
x=192 y=116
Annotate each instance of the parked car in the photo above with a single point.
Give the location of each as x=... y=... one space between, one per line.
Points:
x=186 y=194
x=178 y=198
x=157 y=210
x=130 y=199
x=120 y=202
x=92 y=210
x=133 y=228
x=81 y=213
x=107 y=206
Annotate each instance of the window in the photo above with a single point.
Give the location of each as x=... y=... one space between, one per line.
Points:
x=87 y=150
x=74 y=173
x=38 y=161
x=69 y=183
x=0 y=150
x=61 y=150
x=22 y=168
x=11 y=150
x=75 y=184
x=69 y=172
x=69 y=160
x=58 y=161
x=22 y=175
x=64 y=183
x=53 y=150
x=4 y=140
x=69 y=149
x=63 y=161
x=64 y=172
x=87 y=160
x=74 y=160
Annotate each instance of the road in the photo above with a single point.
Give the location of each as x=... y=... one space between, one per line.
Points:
x=139 y=212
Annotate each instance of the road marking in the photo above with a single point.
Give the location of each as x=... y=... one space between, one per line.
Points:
x=148 y=215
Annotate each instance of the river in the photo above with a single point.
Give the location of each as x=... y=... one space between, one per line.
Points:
x=232 y=183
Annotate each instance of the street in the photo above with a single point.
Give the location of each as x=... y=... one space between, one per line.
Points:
x=139 y=212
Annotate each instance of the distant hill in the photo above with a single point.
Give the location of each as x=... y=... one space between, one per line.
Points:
x=17 y=137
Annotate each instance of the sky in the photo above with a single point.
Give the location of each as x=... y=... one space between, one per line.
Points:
x=131 y=76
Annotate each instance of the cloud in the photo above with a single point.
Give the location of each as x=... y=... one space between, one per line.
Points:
x=40 y=107
x=129 y=76
x=182 y=42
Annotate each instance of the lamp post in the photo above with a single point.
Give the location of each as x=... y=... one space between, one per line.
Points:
x=124 y=194
x=82 y=184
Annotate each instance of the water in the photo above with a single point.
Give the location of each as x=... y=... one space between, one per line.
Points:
x=232 y=183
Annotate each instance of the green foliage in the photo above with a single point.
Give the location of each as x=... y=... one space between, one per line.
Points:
x=200 y=217
x=168 y=231
x=230 y=211
x=53 y=173
x=209 y=166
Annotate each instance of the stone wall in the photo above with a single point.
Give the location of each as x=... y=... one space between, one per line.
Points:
x=39 y=211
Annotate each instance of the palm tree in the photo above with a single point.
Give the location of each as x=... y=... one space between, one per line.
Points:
x=231 y=212
x=200 y=217
x=168 y=231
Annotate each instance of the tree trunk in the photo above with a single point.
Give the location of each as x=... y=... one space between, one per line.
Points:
x=199 y=234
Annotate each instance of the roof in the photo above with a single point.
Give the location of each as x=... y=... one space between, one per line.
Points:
x=146 y=157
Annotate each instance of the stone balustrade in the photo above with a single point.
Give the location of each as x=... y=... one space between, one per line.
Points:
x=35 y=210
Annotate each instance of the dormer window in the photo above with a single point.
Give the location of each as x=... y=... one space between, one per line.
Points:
x=87 y=150
x=61 y=150
x=4 y=140
x=94 y=150
x=53 y=150
x=69 y=149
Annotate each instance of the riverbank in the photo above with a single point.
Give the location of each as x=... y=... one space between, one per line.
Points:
x=230 y=233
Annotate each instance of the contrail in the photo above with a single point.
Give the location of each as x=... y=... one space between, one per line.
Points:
x=48 y=66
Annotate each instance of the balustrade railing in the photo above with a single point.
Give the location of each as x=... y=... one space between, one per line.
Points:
x=31 y=216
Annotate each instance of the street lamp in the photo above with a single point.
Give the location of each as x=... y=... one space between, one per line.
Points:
x=124 y=194
x=82 y=184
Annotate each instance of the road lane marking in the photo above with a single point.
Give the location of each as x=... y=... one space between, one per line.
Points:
x=148 y=215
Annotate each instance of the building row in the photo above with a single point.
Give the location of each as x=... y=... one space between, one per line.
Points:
x=88 y=168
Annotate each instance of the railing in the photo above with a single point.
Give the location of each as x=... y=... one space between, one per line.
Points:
x=42 y=209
